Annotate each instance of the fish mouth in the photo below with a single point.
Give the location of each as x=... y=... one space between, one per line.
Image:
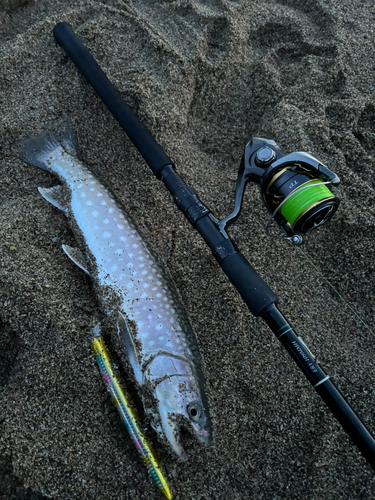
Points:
x=204 y=435
x=181 y=409
x=200 y=421
x=180 y=406
x=171 y=428
x=172 y=422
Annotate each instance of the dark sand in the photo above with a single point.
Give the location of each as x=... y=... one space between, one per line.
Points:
x=204 y=77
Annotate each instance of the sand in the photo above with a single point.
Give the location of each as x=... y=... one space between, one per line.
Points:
x=204 y=77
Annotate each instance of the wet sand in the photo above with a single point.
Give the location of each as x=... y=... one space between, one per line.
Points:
x=204 y=77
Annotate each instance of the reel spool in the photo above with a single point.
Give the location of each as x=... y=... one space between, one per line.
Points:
x=299 y=198
x=293 y=187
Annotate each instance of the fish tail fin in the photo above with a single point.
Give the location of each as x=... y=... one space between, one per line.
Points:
x=38 y=149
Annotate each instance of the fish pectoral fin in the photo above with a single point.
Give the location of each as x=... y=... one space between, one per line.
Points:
x=54 y=195
x=77 y=257
x=125 y=334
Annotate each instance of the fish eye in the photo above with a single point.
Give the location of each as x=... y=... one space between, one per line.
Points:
x=195 y=411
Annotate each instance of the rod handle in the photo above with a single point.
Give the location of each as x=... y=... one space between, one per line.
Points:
x=149 y=148
x=256 y=294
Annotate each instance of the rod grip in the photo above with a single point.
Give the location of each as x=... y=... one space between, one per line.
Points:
x=149 y=148
x=257 y=295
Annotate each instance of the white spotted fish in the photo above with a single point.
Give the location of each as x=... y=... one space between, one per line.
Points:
x=132 y=287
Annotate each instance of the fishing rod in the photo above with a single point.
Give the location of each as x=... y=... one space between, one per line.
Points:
x=294 y=190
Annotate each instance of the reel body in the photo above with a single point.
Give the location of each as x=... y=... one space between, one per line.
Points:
x=293 y=188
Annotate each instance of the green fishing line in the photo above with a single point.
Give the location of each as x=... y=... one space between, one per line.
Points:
x=298 y=203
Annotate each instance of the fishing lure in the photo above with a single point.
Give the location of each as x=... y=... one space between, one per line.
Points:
x=140 y=302
x=127 y=413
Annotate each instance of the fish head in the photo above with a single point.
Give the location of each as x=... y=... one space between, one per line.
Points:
x=180 y=404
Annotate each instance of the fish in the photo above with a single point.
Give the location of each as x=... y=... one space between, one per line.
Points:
x=135 y=292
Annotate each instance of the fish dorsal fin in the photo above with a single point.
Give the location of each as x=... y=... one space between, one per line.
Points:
x=54 y=195
x=125 y=334
x=77 y=257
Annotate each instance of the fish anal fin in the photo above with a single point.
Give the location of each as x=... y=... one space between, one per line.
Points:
x=54 y=195
x=125 y=334
x=77 y=257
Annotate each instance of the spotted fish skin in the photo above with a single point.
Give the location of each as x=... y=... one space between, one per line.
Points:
x=152 y=324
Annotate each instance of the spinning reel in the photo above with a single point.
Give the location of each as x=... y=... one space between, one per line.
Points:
x=293 y=187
